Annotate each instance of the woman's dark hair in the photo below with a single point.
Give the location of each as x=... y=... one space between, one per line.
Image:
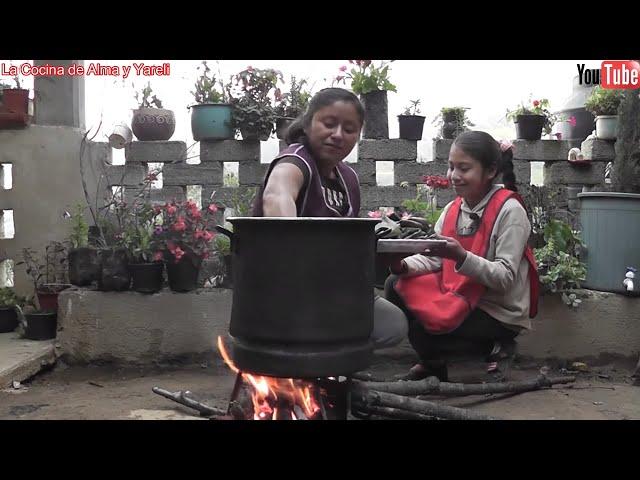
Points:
x=484 y=148
x=324 y=98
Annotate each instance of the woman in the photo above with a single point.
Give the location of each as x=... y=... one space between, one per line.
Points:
x=309 y=178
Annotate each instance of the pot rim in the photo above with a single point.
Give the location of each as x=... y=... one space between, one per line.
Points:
x=302 y=219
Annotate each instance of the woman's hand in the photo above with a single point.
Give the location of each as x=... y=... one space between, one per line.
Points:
x=452 y=250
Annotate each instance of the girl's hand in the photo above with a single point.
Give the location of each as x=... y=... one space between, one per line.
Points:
x=452 y=250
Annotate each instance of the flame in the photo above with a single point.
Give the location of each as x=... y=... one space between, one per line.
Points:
x=270 y=394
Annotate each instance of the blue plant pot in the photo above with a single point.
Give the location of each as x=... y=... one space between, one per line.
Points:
x=211 y=121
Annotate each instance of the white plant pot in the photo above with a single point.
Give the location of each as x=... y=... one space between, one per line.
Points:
x=121 y=136
x=606 y=126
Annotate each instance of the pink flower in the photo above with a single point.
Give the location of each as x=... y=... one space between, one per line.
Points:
x=343 y=68
x=536 y=103
x=572 y=121
x=207 y=236
x=172 y=209
x=339 y=78
x=179 y=225
x=375 y=214
x=212 y=208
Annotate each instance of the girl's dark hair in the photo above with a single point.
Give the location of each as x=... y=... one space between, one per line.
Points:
x=324 y=98
x=484 y=148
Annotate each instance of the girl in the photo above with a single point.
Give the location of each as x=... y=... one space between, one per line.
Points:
x=310 y=179
x=480 y=289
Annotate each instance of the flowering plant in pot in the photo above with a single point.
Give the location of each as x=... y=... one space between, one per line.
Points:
x=48 y=276
x=211 y=114
x=532 y=119
x=372 y=83
x=184 y=234
x=290 y=105
x=411 y=122
x=252 y=95
x=14 y=104
x=151 y=122
x=604 y=103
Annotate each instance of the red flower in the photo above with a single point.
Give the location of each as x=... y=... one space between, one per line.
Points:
x=436 y=181
x=212 y=208
x=536 y=103
x=171 y=209
x=207 y=236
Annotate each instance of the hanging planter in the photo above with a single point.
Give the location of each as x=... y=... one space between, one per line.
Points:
x=149 y=123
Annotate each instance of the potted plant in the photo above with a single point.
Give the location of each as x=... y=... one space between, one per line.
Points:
x=410 y=122
x=211 y=114
x=252 y=96
x=290 y=105
x=184 y=234
x=54 y=267
x=372 y=84
x=83 y=263
x=604 y=103
x=14 y=105
x=8 y=314
x=452 y=121
x=532 y=119
x=150 y=121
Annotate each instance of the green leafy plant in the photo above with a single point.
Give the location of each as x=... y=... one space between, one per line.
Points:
x=452 y=121
x=413 y=108
x=146 y=99
x=293 y=103
x=366 y=77
x=252 y=94
x=535 y=107
x=9 y=298
x=559 y=265
x=206 y=87
x=222 y=245
x=79 y=228
x=604 y=101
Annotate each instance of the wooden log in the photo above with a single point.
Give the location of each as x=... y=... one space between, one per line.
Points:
x=184 y=399
x=397 y=414
x=433 y=386
x=363 y=398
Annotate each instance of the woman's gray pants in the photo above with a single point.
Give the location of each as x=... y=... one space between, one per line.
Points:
x=390 y=325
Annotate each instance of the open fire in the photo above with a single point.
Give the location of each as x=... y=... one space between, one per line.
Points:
x=273 y=398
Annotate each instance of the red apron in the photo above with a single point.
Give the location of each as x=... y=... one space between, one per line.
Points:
x=442 y=300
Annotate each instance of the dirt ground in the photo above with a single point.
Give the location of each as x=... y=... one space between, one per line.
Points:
x=110 y=393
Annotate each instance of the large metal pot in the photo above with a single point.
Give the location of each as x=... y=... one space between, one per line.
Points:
x=302 y=295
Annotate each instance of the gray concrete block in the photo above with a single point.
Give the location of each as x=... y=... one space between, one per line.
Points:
x=387 y=149
x=131 y=174
x=252 y=173
x=184 y=174
x=385 y=196
x=128 y=327
x=230 y=151
x=441 y=148
x=598 y=150
x=366 y=170
x=444 y=196
x=566 y=173
x=541 y=150
x=156 y=152
x=413 y=172
x=522 y=170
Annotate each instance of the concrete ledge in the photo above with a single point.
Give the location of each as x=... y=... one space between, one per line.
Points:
x=130 y=175
x=230 y=151
x=252 y=173
x=541 y=150
x=566 y=173
x=156 y=152
x=598 y=150
x=21 y=359
x=388 y=149
x=441 y=147
x=604 y=323
x=183 y=174
x=131 y=327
